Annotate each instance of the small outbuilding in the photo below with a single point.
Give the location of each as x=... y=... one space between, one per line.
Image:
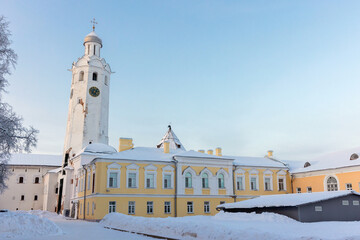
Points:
x=303 y=207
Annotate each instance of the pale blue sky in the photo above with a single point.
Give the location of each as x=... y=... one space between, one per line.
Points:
x=246 y=76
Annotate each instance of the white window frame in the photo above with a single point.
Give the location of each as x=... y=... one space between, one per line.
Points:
x=189 y=207
x=132 y=168
x=113 y=168
x=167 y=206
x=240 y=173
x=254 y=174
x=193 y=176
x=149 y=206
x=131 y=207
x=348 y=186
x=112 y=208
x=206 y=206
x=170 y=171
x=298 y=190
x=309 y=189
x=281 y=175
x=325 y=182
x=225 y=174
x=88 y=179
x=150 y=170
x=37 y=176
x=268 y=174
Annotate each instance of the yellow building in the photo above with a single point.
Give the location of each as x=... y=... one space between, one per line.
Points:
x=332 y=172
x=167 y=180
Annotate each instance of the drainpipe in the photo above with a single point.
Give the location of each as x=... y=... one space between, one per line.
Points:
x=234 y=183
x=85 y=191
x=292 y=183
x=176 y=187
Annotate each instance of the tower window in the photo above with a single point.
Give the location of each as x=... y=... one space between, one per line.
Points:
x=94 y=49
x=21 y=179
x=71 y=93
x=106 y=80
x=81 y=76
x=88 y=49
x=37 y=180
x=22 y=198
x=35 y=197
x=94 y=78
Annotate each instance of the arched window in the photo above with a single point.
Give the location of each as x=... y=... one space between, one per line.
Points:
x=94 y=49
x=221 y=181
x=88 y=49
x=94 y=78
x=188 y=180
x=81 y=76
x=354 y=156
x=332 y=184
x=37 y=180
x=106 y=80
x=307 y=164
x=205 y=180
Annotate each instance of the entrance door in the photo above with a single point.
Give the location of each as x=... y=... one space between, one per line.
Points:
x=60 y=195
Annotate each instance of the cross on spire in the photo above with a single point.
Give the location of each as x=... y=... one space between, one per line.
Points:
x=93 y=22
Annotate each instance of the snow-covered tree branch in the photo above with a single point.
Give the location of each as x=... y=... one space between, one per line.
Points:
x=14 y=137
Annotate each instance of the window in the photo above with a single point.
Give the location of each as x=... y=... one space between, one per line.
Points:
x=131 y=209
x=318 y=208
x=349 y=186
x=149 y=207
x=81 y=76
x=88 y=49
x=298 y=190
x=253 y=183
x=222 y=202
x=56 y=190
x=21 y=179
x=188 y=180
x=167 y=180
x=113 y=180
x=94 y=49
x=267 y=182
x=71 y=93
x=106 y=81
x=240 y=183
x=22 y=198
x=356 y=203
x=190 y=208
x=205 y=180
x=35 y=197
x=150 y=180
x=93 y=184
x=309 y=189
x=167 y=207
x=206 y=207
x=87 y=209
x=332 y=184
x=92 y=208
x=345 y=202
x=132 y=180
x=94 y=76
x=221 y=183
x=88 y=181
x=112 y=206
x=281 y=184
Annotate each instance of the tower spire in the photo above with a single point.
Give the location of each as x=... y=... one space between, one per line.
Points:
x=93 y=22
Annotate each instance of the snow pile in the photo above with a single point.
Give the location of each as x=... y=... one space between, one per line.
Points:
x=44 y=214
x=20 y=224
x=221 y=226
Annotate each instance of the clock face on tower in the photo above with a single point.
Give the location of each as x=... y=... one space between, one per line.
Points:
x=94 y=91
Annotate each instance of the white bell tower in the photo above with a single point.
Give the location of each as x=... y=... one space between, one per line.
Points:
x=88 y=114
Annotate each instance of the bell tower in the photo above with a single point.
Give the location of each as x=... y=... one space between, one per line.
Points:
x=88 y=114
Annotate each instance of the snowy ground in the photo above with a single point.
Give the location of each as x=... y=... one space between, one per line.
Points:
x=226 y=226
x=41 y=225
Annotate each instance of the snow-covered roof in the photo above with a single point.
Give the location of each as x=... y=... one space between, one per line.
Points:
x=329 y=161
x=35 y=159
x=173 y=140
x=283 y=200
x=98 y=148
x=257 y=161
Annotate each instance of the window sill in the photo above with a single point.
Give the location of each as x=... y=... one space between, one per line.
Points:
x=254 y=189
x=168 y=188
x=150 y=188
x=190 y=213
x=132 y=187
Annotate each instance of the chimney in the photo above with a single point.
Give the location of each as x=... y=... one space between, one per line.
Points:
x=166 y=147
x=210 y=152
x=270 y=153
x=125 y=144
x=201 y=151
x=218 y=152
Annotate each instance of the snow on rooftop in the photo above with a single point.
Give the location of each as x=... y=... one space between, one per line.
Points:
x=35 y=159
x=329 y=161
x=99 y=148
x=282 y=200
x=257 y=161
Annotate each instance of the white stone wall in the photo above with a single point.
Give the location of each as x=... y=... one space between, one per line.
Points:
x=11 y=197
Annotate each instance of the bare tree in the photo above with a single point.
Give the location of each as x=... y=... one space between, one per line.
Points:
x=14 y=137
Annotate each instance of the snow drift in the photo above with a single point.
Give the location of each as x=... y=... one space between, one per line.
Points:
x=21 y=224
